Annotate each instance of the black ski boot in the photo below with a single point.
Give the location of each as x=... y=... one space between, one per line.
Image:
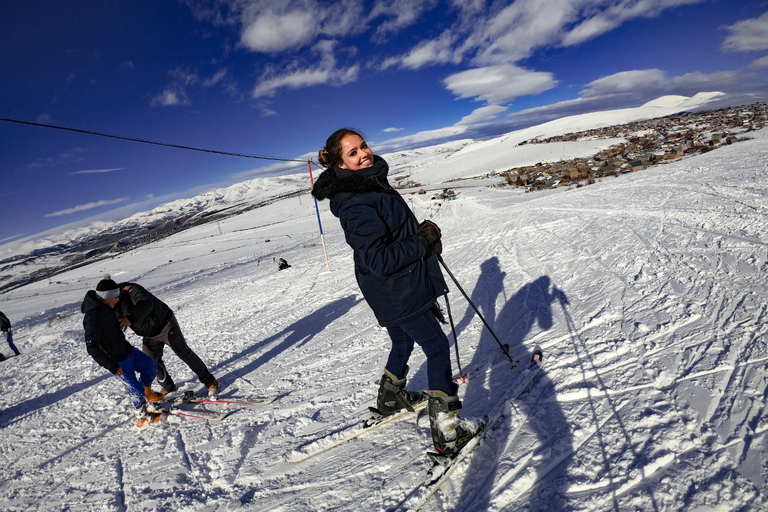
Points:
x=393 y=396
x=449 y=432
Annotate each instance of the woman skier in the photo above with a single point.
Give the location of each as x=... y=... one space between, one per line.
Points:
x=398 y=273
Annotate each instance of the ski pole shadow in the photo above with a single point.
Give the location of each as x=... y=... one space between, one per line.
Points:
x=529 y=307
x=590 y=371
x=296 y=335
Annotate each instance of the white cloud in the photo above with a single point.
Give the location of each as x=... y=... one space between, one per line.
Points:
x=176 y=93
x=12 y=237
x=627 y=81
x=422 y=138
x=275 y=169
x=274 y=27
x=98 y=171
x=489 y=36
x=171 y=98
x=748 y=35
x=632 y=88
x=498 y=84
x=305 y=78
x=217 y=77
x=392 y=130
x=88 y=206
x=760 y=63
x=271 y=32
x=649 y=83
x=494 y=37
x=401 y=14
x=182 y=79
x=483 y=114
x=516 y=30
x=426 y=53
x=597 y=23
x=325 y=72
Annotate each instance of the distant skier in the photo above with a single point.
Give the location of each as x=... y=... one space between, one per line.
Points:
x=282 y=264
x=152 y=319
x=398 y=273
x=5 y=326
x=107 y=345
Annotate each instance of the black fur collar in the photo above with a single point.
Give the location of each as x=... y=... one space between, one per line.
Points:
x=373 y=179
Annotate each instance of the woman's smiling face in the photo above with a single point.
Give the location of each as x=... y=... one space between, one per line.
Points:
x=355 y=153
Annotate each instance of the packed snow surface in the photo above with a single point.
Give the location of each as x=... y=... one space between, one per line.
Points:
x=646 y=292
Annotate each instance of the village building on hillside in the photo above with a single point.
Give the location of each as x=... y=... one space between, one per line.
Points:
x=648 y=143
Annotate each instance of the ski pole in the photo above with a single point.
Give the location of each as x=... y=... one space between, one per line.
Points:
x=462 y=375
x=501 y=345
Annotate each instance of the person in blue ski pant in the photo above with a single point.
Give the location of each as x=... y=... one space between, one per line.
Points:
x=106 y=344
x=5 y=326
x=397 y=269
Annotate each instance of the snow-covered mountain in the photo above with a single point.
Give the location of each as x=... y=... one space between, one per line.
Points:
x=646 y=293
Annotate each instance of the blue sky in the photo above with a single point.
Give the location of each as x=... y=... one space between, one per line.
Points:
x=269 y=78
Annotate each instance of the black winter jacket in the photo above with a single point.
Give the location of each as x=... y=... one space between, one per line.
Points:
x=147 y=314
x=104 y=339
x=5 y=324
x=399 y=279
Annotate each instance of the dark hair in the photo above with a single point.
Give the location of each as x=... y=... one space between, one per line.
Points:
x=330 y=155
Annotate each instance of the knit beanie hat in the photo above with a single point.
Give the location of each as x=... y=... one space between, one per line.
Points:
x=107 y=288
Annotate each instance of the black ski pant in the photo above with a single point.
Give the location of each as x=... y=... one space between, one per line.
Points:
x=171 y=335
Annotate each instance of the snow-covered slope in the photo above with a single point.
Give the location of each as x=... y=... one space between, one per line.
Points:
x=646 y=292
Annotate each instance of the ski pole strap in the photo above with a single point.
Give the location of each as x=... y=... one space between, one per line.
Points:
x=462 y=376
x=453 y=278
x=403 y=402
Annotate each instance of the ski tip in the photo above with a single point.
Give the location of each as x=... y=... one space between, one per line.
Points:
x=538 y=356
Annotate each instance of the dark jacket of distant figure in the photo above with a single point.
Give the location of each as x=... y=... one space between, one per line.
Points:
x=104 y=339
x=5 y=324
x=398 y=277
x=147 y=314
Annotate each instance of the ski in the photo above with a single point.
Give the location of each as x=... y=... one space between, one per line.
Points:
x=201 y=415
x=191 y=397
x=346 y=434
x=443 y=467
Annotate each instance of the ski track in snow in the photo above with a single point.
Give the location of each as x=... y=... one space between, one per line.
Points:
x=646 y=292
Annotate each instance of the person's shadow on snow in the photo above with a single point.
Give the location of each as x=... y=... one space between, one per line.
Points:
x=530 y=306
x=9 y=415
x=296 y=335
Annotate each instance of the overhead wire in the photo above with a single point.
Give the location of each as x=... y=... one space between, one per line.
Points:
x=189 y=148
x=145 y=141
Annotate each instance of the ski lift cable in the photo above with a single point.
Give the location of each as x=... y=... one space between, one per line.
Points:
x=144 y=141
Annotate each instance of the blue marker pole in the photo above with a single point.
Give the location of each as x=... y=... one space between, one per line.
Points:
x=320 y=224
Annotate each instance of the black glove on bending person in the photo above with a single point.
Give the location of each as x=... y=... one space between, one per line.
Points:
x=430 y=235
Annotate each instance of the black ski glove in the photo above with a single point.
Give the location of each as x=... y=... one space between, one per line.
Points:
x=430 y=235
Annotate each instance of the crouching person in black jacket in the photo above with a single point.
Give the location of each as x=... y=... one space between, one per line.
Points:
x=152 y=319
x=107 y=345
